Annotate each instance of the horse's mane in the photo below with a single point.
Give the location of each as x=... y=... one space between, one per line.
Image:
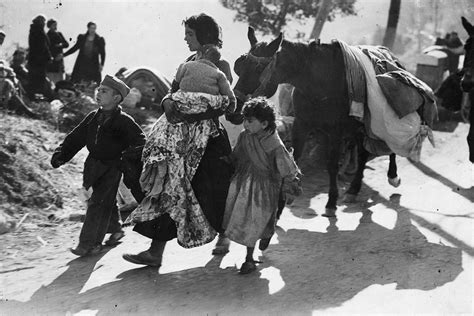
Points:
x=309 y=49
x=322 y=64
x=468 y=44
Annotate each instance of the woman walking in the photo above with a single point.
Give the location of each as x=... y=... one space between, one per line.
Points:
x=212 y=177
x=57 y=42
x=91 y=46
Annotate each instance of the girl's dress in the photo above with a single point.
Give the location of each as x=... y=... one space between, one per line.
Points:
x=170 y=158
x=263 y=168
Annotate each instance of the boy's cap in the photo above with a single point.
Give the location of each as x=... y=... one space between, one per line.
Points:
x=117 y=84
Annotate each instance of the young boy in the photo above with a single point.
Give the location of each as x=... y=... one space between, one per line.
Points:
x=108 y=134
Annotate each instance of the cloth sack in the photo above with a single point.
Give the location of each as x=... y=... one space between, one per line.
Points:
x=403 y=99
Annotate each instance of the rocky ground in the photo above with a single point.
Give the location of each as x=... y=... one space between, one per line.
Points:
x=396 y=250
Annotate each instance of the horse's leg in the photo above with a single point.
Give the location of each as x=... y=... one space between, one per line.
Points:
x=356 y=183
x=393 y=178
x=334 y=153
x=298 y=138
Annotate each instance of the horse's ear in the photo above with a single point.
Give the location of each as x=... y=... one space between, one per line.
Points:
x=467 y=26
x=275 y=44
x=251 y=36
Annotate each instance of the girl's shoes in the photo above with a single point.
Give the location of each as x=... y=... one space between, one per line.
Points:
x=263 y=244
x=222 y=245
x=247 y=267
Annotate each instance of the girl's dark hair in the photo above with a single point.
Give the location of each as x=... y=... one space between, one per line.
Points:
x=206 y=28
x=51 y=22
x=262 y=110
x=90 y=24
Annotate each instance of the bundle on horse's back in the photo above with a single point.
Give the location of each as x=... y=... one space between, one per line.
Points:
x=392 y=97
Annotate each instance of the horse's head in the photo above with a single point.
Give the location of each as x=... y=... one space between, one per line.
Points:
x=314 y=69
x=467 y=82
x=254 y=70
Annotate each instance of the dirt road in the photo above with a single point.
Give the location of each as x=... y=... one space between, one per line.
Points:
x=404 y=250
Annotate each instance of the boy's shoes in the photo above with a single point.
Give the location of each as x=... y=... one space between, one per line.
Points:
x=82 y=251
x=144 y=258
x=114 y=239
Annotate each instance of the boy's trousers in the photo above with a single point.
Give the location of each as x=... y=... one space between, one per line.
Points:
x=102 y=213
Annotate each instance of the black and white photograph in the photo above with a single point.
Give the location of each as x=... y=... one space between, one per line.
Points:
x=236 y=157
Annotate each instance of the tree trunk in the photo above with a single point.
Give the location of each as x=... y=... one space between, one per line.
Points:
x=391 y=31
x=280 y=21
x=321 y=17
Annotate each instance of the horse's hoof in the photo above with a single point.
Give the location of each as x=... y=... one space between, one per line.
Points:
x=330 y=212
x=395 y=182
x=350 y=198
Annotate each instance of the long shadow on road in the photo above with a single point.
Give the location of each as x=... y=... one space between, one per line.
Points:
x=333 y=267
x=316 y=271
x=467 y=193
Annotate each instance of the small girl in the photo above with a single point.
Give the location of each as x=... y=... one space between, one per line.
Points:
x=173 y=150
x=263 y=168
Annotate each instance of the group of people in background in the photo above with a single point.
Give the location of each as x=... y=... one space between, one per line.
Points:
x=45 y=56
x=37 y=69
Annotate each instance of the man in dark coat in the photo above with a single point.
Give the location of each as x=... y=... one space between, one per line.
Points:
x=39 y=56
x=57 y=42
x=109 y=135
x=2 y=37
x=91 y=46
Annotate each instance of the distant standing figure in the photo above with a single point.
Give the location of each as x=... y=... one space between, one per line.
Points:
x=39 y=56
x=55 y=70
x=456 y=48
x=2 y=37
x=90 y=46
